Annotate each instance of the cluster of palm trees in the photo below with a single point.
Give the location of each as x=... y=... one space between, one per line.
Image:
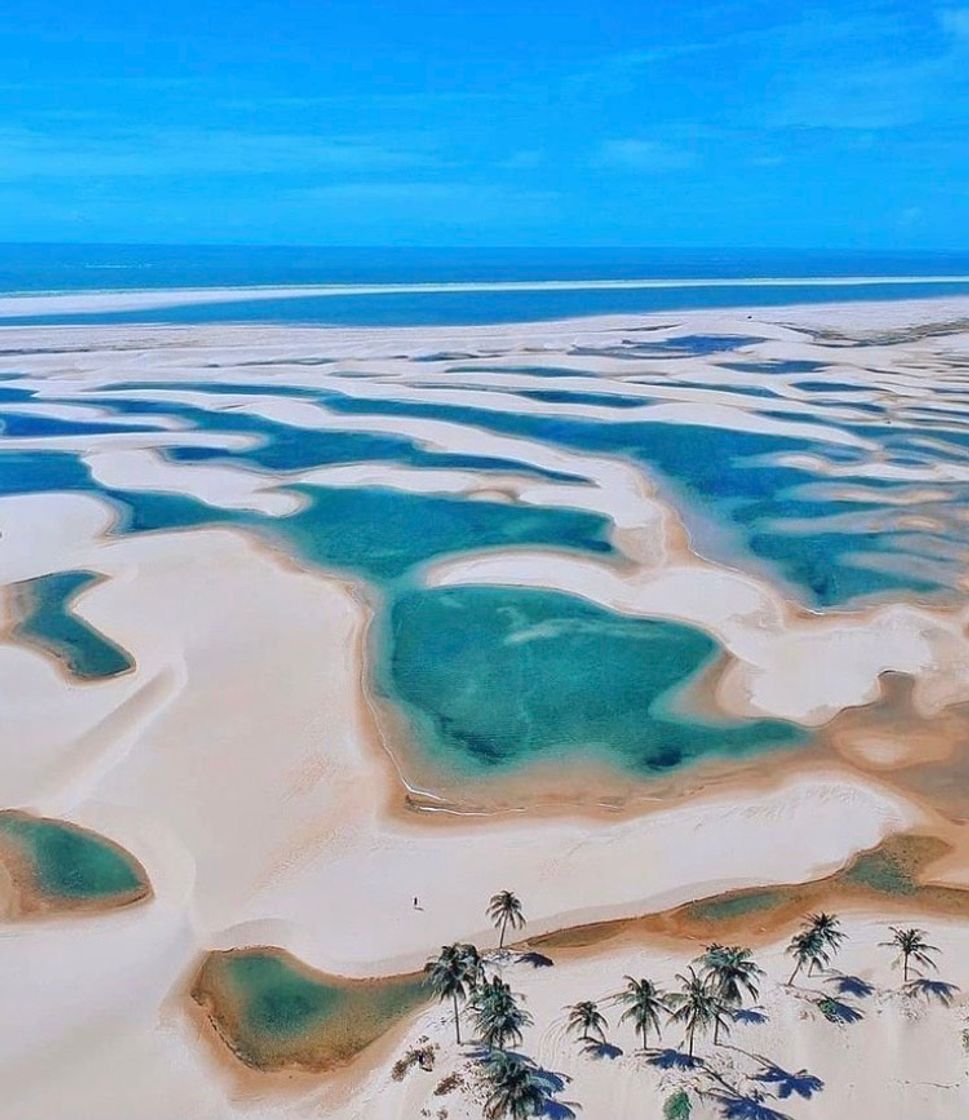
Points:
x=458 y=973
x=518 y=1088
x=711 y=989
x=820 y=937
x=815 y=943
x=709 y=997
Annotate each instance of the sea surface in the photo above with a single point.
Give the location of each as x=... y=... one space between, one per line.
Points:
x=673 y=279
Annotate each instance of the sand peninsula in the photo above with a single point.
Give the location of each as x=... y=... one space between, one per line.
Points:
x=692 y=590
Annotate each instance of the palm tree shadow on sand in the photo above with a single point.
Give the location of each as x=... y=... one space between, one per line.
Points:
x=668 y=1058
x=736 y=1106
x=750 y=1016
x=785 y=1084
x=939 y=990
x=536 y=960
x=600 y=1050
x=850 y=985
x=837 y=1011
x=733 y=1102
x=546 y=1083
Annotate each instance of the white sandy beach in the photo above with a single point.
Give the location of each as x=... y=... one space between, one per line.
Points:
x=242 y=764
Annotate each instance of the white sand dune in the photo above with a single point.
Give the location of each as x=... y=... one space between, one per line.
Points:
x=242 y=764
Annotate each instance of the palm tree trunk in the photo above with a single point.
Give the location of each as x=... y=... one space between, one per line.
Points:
x=501 y=939
x=644 y=1036
x=797 y=969
x=905 y=967
x=457 y=1021
x=689 y=1036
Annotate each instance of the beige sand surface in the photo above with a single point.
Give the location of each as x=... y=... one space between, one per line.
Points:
x=241 y=763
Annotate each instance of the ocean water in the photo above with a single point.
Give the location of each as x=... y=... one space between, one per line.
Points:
x=734 y=278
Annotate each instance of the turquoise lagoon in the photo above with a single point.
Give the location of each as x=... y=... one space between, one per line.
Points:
x=273 y=1011
x=721 y=478
x=49 y=622
x=717 y=477
x=493 y=678
x=732 y=479
x=71 y=865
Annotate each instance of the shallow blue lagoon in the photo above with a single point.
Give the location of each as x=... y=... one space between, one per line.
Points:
x=32 y=472
x=49 y=621
x=382 y=534
x=725 y=476
x=284 y=447
x=71 y=865
x=496 y=678
x=602 y=400
x=30 y=425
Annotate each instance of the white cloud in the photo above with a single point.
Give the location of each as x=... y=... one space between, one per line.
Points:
x=955 y=21
x=520 y=161
x=35 y=153
x=649 y=156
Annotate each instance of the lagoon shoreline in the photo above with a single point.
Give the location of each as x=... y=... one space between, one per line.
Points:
x=242 y=763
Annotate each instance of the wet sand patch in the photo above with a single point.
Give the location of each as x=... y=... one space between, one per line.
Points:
x=886 y=878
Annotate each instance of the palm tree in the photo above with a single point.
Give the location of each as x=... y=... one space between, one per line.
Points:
x=505 y=910
x=697 y=1005
x=644 y=1002
x=733 y=973
x=807 y=948
x=587 y=1021
x=516 y=1093
x=475 y=964
x=498 y=1019
x=828 y=929
x=449 y=975
x=911 y=946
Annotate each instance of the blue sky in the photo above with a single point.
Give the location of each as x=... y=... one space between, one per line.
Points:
x=841 y=124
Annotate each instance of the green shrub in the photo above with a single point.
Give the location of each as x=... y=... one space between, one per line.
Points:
x=677 y=1107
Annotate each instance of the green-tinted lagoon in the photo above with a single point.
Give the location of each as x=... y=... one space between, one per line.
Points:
x=498 y=677
x=59 y=866
x=274 y=1012
x=49 y=622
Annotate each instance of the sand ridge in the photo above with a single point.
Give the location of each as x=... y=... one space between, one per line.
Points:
x=244 y=765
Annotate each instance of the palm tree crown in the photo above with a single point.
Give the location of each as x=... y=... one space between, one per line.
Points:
x=697 y=1006
x=644 y=1002
x=587 y=1021
x=732 y=972
x=504 y=910
x=516 y=1092
x=807 y=948
x=497 y=1017
x=450 y=974
x=911 y=946
x=474 y=963
x=828 y=929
